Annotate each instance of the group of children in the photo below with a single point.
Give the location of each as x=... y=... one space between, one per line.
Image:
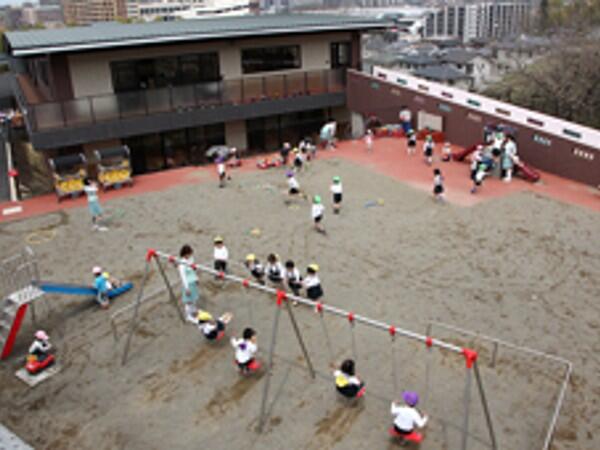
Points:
x=317 y=208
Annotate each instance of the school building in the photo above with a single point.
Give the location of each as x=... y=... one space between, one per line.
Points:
x=170 y=90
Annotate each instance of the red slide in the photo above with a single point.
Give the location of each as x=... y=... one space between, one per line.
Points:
x=460 y=156
x=527 y=172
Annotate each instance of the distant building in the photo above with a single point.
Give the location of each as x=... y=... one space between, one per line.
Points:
x=84 y=12
x=478 y=20
x=48 y=16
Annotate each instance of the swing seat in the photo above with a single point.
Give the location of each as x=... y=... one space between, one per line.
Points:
x=253 y=367
x=362 y=392
x=415 y=437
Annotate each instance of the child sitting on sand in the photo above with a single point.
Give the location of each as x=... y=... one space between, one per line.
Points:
x=447 y=152
x=255 y=267
x=245 y=349
x=346 y=381
x=213 y=329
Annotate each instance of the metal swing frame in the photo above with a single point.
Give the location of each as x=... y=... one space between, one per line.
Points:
x=282 y=297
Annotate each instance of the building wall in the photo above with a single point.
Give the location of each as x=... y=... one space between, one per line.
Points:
x=91 y=75
x=463 y=126
x=235 y=134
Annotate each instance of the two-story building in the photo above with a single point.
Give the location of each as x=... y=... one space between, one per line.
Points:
x=169 y=90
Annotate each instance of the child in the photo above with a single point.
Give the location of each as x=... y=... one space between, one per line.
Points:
x=213 y=329
x=103 y=283
x=507 y=159
x=336 y=190
x=256 y=268
x=245 y=349
x=428 y=149
x=220 y=254
x=478 y=176
x=274 y=269
x=189 y=283
x=411 y=143
x=293 y=185
x=406 y=417
x=369 y=140
x=475 y=160
x=317 y=212
x=91 y=191
x=285 y=153
x=447 y=152
x=40 y=347
x=312 y=284
x=298 y=159
x=438 y=185
x=293 y=278
x=346 y=381
x=222 y=171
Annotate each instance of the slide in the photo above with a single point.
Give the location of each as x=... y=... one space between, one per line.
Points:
x=76 y=289
x=527 y=172
x=460 y=156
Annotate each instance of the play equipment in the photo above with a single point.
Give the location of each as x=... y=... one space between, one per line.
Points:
x=114 y=169
x=35 y=366
x=83 y=290
x=526 y=172
x=469 y=355
x=413 y=437
x=68 y=173
x=20 y=286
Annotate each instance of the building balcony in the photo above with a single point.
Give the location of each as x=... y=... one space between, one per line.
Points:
x=53 y=124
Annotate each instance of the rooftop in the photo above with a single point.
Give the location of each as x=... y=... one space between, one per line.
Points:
x=440 y=73
x=112 y=35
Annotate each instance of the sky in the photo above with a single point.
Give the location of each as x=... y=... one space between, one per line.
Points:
x=11 y=2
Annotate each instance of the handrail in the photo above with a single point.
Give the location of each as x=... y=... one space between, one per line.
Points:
x=89 y=110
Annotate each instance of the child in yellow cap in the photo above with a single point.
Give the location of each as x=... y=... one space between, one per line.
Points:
x=221 y=255
x=213 y=329
x=312 y=283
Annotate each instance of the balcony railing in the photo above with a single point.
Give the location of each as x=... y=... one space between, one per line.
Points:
x=92 y=110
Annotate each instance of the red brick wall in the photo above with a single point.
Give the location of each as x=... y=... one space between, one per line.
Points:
x=367 y=95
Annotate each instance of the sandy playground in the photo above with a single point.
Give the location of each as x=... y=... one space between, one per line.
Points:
x=523 y=268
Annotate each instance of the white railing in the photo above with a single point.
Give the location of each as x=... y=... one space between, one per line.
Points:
x=570 y=131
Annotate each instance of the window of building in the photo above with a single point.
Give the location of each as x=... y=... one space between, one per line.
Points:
x=341 y=54
x=542 y=140
x=166 y=71
x=473 y=102
x=583 y=154
x=268 y=59
x=571 y=133
x=444 y=107
x=535 y=122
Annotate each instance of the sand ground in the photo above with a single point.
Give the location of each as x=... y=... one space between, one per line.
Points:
x=523 y=268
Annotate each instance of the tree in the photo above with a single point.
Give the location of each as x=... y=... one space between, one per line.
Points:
x=565 y=83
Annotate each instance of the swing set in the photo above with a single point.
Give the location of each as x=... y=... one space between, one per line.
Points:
x=282 y=301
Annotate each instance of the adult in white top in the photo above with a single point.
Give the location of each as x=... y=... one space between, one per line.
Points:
x=406 y=417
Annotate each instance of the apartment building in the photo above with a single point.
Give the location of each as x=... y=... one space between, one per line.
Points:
x=82 y=12
x=483 y=20
x=169 y=90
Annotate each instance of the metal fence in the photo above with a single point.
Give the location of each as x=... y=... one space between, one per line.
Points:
x=102 y=108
